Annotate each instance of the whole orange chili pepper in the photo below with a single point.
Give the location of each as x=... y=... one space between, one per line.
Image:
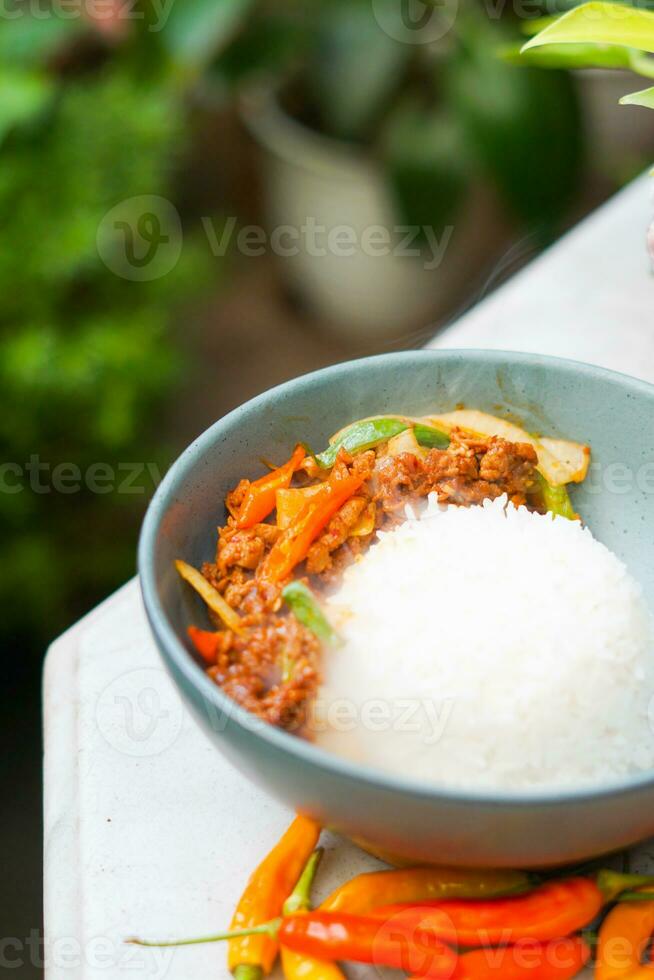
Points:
x=404 y=885
x=250 y=957
x=259 y=499
x=294 y=543
x=556 y=909
x=558 y=959
x=623 y=940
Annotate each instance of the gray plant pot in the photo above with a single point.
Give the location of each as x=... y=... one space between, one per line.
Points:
x=342 y=246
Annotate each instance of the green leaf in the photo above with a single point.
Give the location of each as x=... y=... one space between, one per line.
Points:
x=23 y=95
x=600 y=23
x=568 y=56
x=196 y=30
x=645 y=98
x=537 y=24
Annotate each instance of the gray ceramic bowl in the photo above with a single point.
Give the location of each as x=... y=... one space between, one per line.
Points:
x=391 y=814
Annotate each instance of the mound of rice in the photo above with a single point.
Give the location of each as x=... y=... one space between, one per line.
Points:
x=490 y=647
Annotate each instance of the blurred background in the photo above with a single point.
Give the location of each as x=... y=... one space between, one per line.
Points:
x=202 y=198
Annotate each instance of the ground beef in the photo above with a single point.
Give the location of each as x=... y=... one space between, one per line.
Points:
x=335 y=534
x=244 y=548
x=235 y=497
x=251 y=669
x=468 y=472
x=272 y=670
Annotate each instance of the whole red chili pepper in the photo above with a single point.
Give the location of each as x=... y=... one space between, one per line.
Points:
x=557 y=908
x=558 y=959
x=339 y=936
x=259 y=499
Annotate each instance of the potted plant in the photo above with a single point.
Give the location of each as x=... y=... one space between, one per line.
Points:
x=607 y=43
x=397 y=157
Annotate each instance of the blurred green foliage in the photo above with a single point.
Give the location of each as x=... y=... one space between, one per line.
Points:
x=439 y=114
x=86 y=357
x=95 y=114
x=596 y=35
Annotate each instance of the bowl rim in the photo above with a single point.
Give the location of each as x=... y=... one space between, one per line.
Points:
x=174 y=651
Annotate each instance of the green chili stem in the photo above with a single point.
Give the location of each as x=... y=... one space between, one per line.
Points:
x=248 y=971
x=636 y=896
x=300 y=898
x=612 y=883
x=266 y=929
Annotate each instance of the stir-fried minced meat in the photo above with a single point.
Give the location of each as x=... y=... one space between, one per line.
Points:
x=468 y=472
x=335 y=534
x=244 y=548
x=272 y=671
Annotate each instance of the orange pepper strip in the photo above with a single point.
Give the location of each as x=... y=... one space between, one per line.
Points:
x=399 y=885
x=205 y=642
x=259 y=500
x=292 y=546
x=623 y=941
x=559 y=959
x=556 y=909
x=265 y=894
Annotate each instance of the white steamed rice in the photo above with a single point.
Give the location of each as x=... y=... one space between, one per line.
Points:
x=490 y=647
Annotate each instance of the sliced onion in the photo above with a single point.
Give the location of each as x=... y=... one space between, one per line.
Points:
x=559 y=461
x=211 y=596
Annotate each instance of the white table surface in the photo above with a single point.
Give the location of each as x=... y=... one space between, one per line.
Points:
x=147 y=829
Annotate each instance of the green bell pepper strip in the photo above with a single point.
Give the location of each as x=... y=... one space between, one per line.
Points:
x=431 y=438
x=360 y=436
x=305 y=608
x=556 y=499
x=371 y=432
